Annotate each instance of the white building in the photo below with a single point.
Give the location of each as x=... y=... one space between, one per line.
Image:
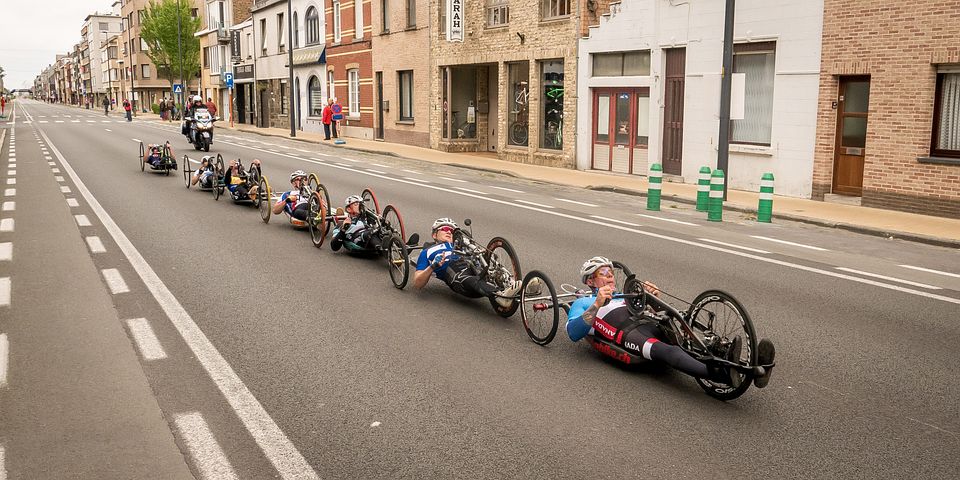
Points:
x=270 y=59
x=649 y=90
x=309 y=63
x=98 y=28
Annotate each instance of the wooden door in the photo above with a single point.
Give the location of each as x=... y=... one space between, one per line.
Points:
x=676 y=59
x=851 y=139
x=379 y=128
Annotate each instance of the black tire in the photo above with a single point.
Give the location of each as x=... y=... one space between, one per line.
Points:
x=621 y=272
x=369 y=198
x=540 y=310
x=313 y=181
x=719 y=313
x=317 y=219
x=391 y=219
x=143 y=154
x=187 y=174
x=206 y=146
x=197 y=145
x=398 y=261
x=501 y=249
x=264 y=198
x=217 y=189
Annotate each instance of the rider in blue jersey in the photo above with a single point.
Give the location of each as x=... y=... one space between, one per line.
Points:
x=602 y=315
x=292 y=202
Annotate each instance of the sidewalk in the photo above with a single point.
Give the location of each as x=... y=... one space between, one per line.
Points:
x=872 y=221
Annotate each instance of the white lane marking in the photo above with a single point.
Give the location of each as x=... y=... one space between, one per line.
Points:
x=350 y=160
x=718 y=242
x=82 y=220
x=302 y=150
x=91 y=121
x=115 y=281
x=51 y=163
x=11 y=181
x=884 y=277
x=96 y=246
x=12 y=173
x=145 y=339
x=73 y=202
x=136 y=140
x=9 y=206
x=416 y=179
x=471 y=191
x=283 y=455
x=374 y=424
x=65 y=189
x=585 y=204
x=321 y=154
x=74 y=121
x=6 y=251
x=58 y=121
x=789 y=243
x=194 y=161
x=681 y=222
x=608 y=219
x=44 y=121
x=930 y=270
x=6 y=225
x=343 y=165
x=380 y=165
x=104 y=121
x=376 y=171
x=534 y=204
x=10 y=192
x=4 y=362
x=58 y=178
x=412 y=171
x=55 y=170
x=5 y=292
x=454 y=179
x=207 y=455
x=107 y=129
x=284 y=146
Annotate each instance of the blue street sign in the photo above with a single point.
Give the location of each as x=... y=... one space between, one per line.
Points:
x=177 y=88
x=228 y=79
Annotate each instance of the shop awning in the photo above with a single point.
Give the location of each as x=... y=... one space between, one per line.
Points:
x=310 y=55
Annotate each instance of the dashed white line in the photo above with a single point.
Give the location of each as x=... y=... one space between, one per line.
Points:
x=344 y=164
x=10 y=192
x=302 y=150
x=145 y=339
x=454 y=179
x=614 y=220
x=376 y=171
x=4 y=362
x=416 y=179
x=11 y=181
x=811 y=247
x=73 y=202
x=114 y=281
x=6 y=251
x=12 y=172
x=9 y=206
x=350 y=160
x=96 y=246
x=412 y=171
x=893 y=279
x=65 y=189
x=51 y=163
x=107 y=129
x=534 y=204
x=681 y=222
x=206 y=453
x=5 y=292
x=6 y=225
x=380 y=165
x=58 y=178
x=930 y=270
x=585 y=204
x=471 y=191
x=55 y=170
x=733 y=245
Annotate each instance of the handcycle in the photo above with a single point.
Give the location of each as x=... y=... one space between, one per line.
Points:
x=496 y=263
x=705 y=329
x=266 y=198
x=167 y=160
x=386 y=225
x=214 y=167
x=251 y=177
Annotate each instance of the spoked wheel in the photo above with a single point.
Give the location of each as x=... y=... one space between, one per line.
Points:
x=167 y=160
x=313 y=181
x=317 y=219
x=264 y=198
x=620 y=272
x=540 y=308
x=218 y=187
x=255 y=173
x=325 y=196
x=369 y=199
x=187 y=174
x=398 y=261
x=143 y=155
x=501 y=253
x=717 y=318
x=391 y=219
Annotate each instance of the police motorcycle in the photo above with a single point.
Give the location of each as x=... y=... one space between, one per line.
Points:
x=199 y=129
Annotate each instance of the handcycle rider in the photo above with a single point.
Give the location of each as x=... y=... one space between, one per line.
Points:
x=609 y=317
x=292 y=202
x=203 y=174
x=355 y=232
x=154 y=155
x=439 y=259
x=238 y=182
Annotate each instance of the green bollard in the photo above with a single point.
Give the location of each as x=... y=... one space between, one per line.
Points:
x=703 y=189
x=765 y=208
x=715 y=212
x=654 y=182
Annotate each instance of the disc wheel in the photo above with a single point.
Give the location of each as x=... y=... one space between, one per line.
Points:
x=143 y=157
x=392 y=220
x=398 y=261
x=187 y=174
x=717 y=318
x=317 y=219
x=500 y=251
x=369 y=199
x=264 y=198
x=540 y=309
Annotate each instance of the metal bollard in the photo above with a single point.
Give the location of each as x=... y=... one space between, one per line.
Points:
x=715 y=212
x=654 y=182
x=765 y=208
x=703 y=189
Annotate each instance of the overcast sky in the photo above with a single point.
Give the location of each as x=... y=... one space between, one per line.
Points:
x=34 y=32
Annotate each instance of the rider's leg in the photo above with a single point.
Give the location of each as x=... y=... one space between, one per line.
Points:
x=465 y=283
x=300 y=213
x=642 y=340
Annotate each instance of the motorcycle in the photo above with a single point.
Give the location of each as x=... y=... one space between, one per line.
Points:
x=200 y=131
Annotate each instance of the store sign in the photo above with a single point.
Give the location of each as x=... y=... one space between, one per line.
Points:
x=235 y=45
x=455 y=20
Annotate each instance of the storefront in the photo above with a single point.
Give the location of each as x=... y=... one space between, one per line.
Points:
x=621 y=129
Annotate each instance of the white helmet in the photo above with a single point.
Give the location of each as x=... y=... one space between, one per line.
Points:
x=593 y=265
x=440 y=222
x=297 y=174
x=352 y=199
x=196 y=98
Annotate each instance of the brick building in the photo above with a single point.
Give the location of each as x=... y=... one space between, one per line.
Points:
x=350 y=64
x=888 y=127
x=504 y=79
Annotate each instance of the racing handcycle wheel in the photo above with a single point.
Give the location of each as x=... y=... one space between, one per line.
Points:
x=392 y=220
x=540 y=309
x=500 y=251
x=166 y=157
x=264 y=198
x=717 y=318
x=313 y=181
x=186 y=171
x=317 y=218
x=143 y=154
x=370 y=199
x=398 y=261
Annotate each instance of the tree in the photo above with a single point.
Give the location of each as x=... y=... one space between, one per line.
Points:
x=159 y=32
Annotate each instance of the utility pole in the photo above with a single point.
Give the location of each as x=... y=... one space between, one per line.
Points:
x=293 y=112
x=726 y=76
x=133 y=70
x=180 y=55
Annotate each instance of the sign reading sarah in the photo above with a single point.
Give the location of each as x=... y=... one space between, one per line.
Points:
x=455 y=20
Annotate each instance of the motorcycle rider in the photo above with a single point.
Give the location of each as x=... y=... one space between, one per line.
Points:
x=196 y=103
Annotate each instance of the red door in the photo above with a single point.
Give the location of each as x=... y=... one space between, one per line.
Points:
x=616 y=138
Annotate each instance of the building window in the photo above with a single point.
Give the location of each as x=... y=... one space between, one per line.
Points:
x=551 y=85
x=143 y=46
x=555 y=8
x=313 y=26
x=518 y=132
x=263 y=36
x=406 y=94
x=145 y=71
x=411 y=13
x=281 y=37
x=353 y=92
x=283 y=97
x=643 y=119
x=358 y=19
x=498 y=13
x=296 y=31
x=384 y=16
x=618 y=64
x=443 y=18
x=330 y=85
x=946 y=117
x=756 y=61
x=336 y=21
x=104 y=26
x=315 y=93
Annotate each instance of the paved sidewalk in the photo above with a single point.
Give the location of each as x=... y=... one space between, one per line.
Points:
x=873 y=221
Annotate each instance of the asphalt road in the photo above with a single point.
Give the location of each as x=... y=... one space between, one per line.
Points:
x=300 y=354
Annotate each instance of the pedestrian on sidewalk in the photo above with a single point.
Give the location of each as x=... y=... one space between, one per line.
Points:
x=106 y=106
x=163 y=109
x=327 y=119
x=3 y=103
x=128 y=109
x=211 y=107
x=171 y=109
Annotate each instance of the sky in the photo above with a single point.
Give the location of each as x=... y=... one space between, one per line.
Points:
x=34 y=32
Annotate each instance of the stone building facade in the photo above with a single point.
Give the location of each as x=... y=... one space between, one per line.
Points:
x=888 y=127
x=510 y=85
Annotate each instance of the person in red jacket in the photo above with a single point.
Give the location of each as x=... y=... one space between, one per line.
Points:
x=327 y=119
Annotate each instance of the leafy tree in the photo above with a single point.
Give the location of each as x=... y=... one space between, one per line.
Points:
x=159 y=32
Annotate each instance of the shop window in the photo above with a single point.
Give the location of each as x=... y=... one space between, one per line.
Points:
x=946 y=119
x=406 y=95
x=283 y=97
x=756 y=61
x=315 y=91
x=618 y=64
x=551 y=86
x=643 y=119
x=555 y=8
x=353 y=93
x=519 y=113
x=498 y=13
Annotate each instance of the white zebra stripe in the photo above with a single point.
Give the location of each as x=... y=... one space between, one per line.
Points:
x=766 y=196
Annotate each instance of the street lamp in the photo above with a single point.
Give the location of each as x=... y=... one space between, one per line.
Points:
x=133 y=89
x=723 y=147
